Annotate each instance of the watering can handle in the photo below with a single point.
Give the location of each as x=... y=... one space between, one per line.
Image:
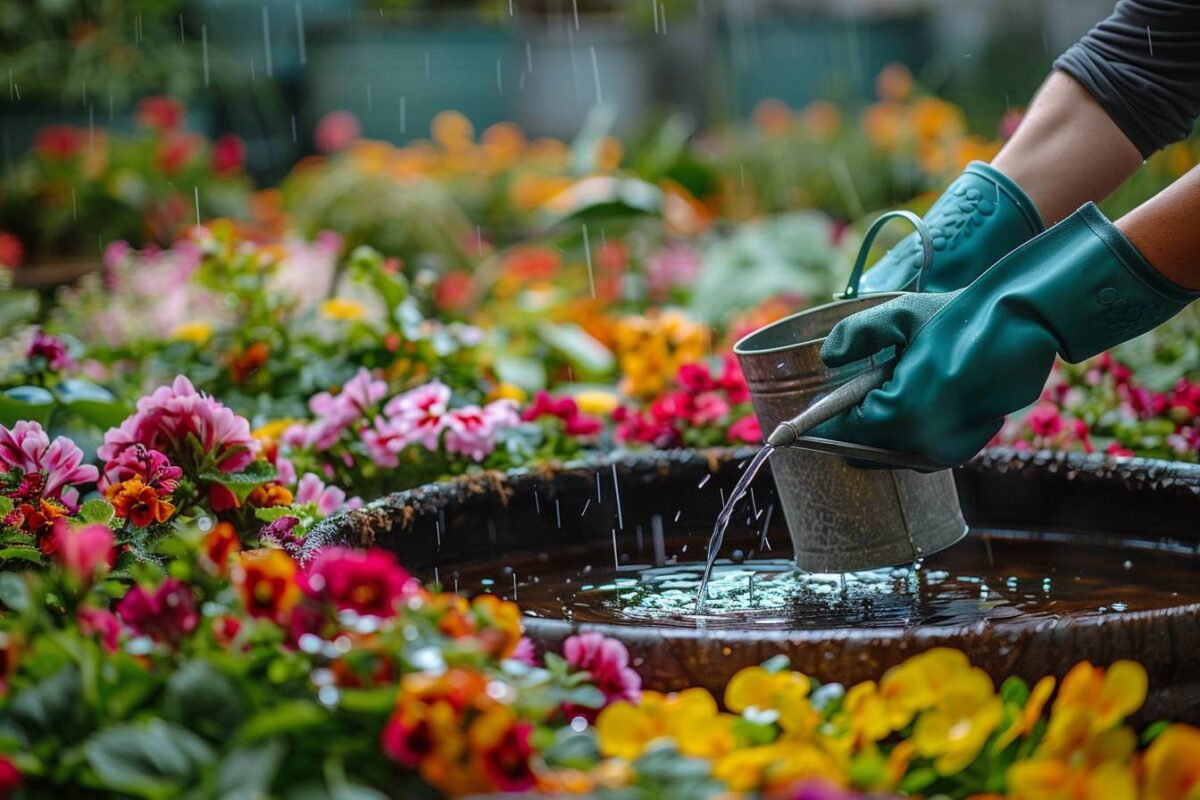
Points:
x=861 y=262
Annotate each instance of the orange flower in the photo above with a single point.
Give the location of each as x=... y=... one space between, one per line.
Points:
x=139 y=503
x=452 y=130
x=220 y=545
x=1108 y=695
x=933 y=119
x=502 y=630
x=609 y=152
x=773 y=118
x=894 y=82
x=270 y=495
x=821 y=120
x=266 y=581
x=1023 y=724
x=885 y=126
x=1173 y=765
x=37 y=519
x=244 y=363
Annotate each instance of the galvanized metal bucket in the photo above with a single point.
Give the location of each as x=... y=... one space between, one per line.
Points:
x=842 y=518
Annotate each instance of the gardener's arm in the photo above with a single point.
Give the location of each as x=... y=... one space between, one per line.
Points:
x=1166 y=230
x=1128 y=88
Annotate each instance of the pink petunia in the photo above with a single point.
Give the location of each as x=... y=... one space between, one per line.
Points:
x=421 y=413
x=189 y=427
x=27 y=449
x=607 y=661
x=368 y=582
x=328 y=499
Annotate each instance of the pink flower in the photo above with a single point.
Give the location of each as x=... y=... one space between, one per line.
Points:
x=328 y=499
x=83 y=551
x=733 y=381
x=384 y=441
x=746 y=430
x=102 y=624
x=228 y=155
x=710 y=408
x=59 y=142
x=368 y=582
x=51 y=349
x=27 y=449
x=1117 y=450
x=10 y=778
x=695 y=378
x=672 y=266
x=1045 y=421
x=335 y=131
x=166 y=615
x=471 y=431
x=526 y=652
x=421 y=413
x=189 y=427
x=154 y=468
x=607 y=661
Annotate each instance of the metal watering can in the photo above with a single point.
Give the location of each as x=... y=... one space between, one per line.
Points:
x=842 y=518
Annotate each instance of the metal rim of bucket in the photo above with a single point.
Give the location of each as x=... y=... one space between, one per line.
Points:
x=742 y=346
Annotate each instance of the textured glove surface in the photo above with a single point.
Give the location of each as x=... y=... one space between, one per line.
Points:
x=979 y=219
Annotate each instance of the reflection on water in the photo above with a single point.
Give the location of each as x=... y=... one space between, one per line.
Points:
x=988 y=577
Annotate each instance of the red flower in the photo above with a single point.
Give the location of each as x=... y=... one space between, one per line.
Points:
x=174 y=152
x=166 y=615
x=82 y=552
x=746 y=430
x=407 y=742
x=733 y=381
x=10 y=778
x=566 y=409
x=160 y=113
x=220 y=545
x=1115 y=449
x=225 y=629
x=266 y=581
x=1045 y=421
x=228 y=155
x=59 y=142
x=12 y=252
x=102 y=624
x=453 y=292
x=369 y=582
x=335 y=131
x=506 y=762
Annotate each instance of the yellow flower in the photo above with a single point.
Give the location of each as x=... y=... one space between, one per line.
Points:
x=507 y=391
x=195 y=332
x=964 y=715
x=785 y=692
x=1173 y=765
x=271 y=431
x=452 y=130
x=343 y=309
x=866 y=713
x=776 y=765
x=623 y=730
x=915 y=685
x=1110 y=695
x=1023 y=723
x=651 y=349
x=1048 y=779
x=596 y=402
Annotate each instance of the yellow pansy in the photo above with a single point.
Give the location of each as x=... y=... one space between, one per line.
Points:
x=1110 y=695
x=1172 y=765
x=915 y=685
x=343 y=309
x=1049 y=779
x=623 y=730
x=776 y=765
x=865 y=713
x=507 y=391
x=1023 y=723
x=272 y=430
x=955 y=729
x=596 y=402
x=689 y=718
x=196 y=332
x=651 y=349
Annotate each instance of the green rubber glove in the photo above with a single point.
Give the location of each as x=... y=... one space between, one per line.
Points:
x=982 y=217
x=967 y=358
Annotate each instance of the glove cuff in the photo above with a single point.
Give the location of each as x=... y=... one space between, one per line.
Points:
x=1013 y=191
x=1124 y=251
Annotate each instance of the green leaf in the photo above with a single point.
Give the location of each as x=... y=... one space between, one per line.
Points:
x=1015 y=691
x=278 y=512
x=368 y=701
x=203 y=699
x=30 y=554
x=917 y=780
x=587 y=355
x=1153 y=731
x=96 y=510
x=286 y=718
x=6 y=506
x=528 y=373
x=776 y=664
x=31 y=403
x=17 y=306
x=249 y=771
x=52 y=707
x=586 y=696
x=14 y=594
x=243 y=483
x=155 y=760
x=92 y=403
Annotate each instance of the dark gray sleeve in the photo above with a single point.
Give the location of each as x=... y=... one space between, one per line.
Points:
x=1142 y=64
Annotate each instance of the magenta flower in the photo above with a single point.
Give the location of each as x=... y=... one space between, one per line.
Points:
x=368 y=582
x=154 y=468
x=102 y=624
x=51 y=349
x=335 y=413
x=607 y=661
x=384 y=440
x=335 y=131
x=574 y=422
x=166 y=615
x=59 y=464
x=746 y=430
x=189 y=427
x=471 y=431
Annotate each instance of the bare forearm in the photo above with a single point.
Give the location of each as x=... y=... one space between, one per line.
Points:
x=1067 y=150
x=1166 y=230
